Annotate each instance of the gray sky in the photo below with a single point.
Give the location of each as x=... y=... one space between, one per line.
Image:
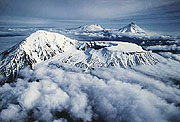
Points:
x=80 y=9
x=41 y=11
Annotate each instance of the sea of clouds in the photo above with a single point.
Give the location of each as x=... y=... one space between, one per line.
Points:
x=60 y=94
x=63 y=93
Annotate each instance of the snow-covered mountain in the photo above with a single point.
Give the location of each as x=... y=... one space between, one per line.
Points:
x=43 y=45
x=132 y=28
x=39 y=46
x=91 y=55
x=89 y=28
x=89 y=32
x=130 y=33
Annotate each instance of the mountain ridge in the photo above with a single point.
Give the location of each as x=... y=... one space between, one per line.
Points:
x=34 y=49
x=42 y=45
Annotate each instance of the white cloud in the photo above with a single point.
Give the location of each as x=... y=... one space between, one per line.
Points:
x=111 y=94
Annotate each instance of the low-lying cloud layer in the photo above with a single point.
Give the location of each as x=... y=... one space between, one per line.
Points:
x=51 y=93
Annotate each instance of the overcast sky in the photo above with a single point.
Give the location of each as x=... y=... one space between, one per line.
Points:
x=81 y=9
x=158 y=14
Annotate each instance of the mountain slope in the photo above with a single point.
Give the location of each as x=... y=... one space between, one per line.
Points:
x=38 y=47
x=43 y=45
x=93 y=27
x=88 y=28
x=97 y=54
x=132 y=28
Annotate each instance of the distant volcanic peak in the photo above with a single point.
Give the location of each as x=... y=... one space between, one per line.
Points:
x=93 y=27
x=132 y=28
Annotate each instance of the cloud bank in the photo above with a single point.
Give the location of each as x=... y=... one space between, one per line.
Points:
x=51 y=93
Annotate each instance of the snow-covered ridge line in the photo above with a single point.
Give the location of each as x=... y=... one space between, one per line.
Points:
x=38 y=47
x=43 y=45
x=92 y=55
x=125 y=47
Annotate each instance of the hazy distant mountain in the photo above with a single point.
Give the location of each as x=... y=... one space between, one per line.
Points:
x=88 y=28
x=93 y=27
x=132 y=28
x=129 y=33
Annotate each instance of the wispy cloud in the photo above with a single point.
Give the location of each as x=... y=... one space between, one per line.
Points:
x=76 y=9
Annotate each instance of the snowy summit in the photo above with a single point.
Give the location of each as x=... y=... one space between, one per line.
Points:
x=38 y=47
x=93 y=27
x=132 y=28
x=43 y=45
